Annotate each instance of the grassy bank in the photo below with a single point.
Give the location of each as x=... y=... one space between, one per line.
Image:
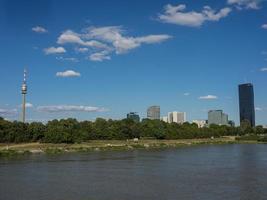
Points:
x=104 y=145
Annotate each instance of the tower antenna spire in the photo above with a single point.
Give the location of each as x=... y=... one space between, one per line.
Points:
x=24 y=75
x=24 y=92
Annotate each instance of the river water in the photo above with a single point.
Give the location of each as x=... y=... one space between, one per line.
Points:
x=200 y=172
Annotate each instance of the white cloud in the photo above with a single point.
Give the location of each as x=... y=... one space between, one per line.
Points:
x=177 y=15
x=264 y=26
x=99 y=56
x=96 y=44
x=122 y=44
x=106 y=33
x=39 y=29
x=75 y=38
x=8 y=112
x=70 y=108
x=247 y=4
x=67 y=59
x=54 y=50
x=28 y=105
x=68 y=73
x=102 y=42
x=69 y=37
x=263 y=69
x=186 y=94
x=208 y=97
x=258 y=109
x=81 y=49
x=152 y=39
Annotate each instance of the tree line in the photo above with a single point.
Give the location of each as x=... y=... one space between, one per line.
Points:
x=73 y=131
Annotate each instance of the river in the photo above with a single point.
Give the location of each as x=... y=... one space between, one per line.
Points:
x=208 y=172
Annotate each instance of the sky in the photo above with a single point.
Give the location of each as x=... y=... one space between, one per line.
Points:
x=89 y=59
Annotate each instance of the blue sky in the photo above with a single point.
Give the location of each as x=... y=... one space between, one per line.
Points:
x=88 y=59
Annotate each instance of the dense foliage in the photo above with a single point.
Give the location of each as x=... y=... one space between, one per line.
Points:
x=72 y=131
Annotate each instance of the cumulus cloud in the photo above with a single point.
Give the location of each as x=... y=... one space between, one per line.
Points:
x=247 y=4
x=69 y=37
x=100 y=56
x=70 y=108
x=264 y=69
x=8 y=112
x=208 y=97
x=68 y=73
x=39 y=29
x=75 y=38
x=186 y=94
x=102 y=42
x=54 y=50
x=114 y=35
x=177 y=15
x=264 y=26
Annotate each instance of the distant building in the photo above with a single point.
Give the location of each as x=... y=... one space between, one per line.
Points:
x=217 y=117
x=177 y=117
x=231 y=123
x=134 y=116
x=200 y=123
x=246 y=103
x=170 y=118
x=165 y=119
x=153 y=112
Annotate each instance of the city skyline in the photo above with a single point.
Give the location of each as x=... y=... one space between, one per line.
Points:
x=77 y=69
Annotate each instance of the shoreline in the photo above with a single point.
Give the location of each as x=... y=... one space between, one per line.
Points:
x=111 y=145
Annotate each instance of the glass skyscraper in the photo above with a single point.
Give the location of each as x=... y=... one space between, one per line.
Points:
x=246 y=103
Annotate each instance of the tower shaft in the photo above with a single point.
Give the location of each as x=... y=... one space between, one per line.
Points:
x=23 y=108
x=24 y=92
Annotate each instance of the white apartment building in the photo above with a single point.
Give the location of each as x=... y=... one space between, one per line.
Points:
x=165 y=118
x=200 y=123
x=177 y=117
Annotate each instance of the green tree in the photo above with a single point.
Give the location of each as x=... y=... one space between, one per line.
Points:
x=36 y=131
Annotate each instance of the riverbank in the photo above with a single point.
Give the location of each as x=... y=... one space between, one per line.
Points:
x=104 y=145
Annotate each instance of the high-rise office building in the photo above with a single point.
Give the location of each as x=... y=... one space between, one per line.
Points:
x=134 y=116
x=246 y=103
x=153 y=112
x=217 y=117
x=177 y=117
